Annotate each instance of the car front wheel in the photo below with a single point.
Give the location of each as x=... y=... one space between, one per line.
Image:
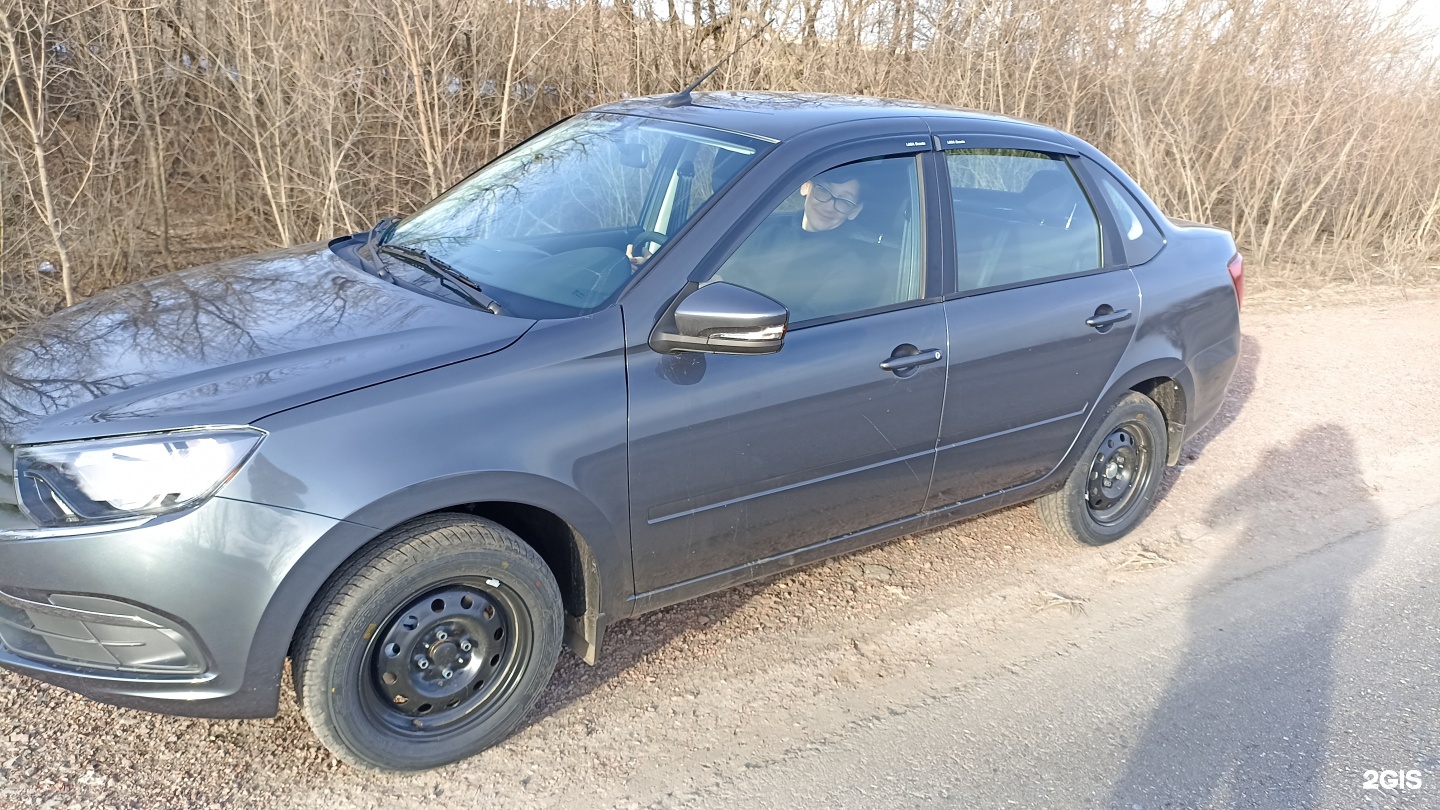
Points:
x=430 y=647
x=1113 y=486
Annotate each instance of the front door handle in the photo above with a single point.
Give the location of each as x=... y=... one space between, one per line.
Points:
x=1103 y=319
x=901 y=363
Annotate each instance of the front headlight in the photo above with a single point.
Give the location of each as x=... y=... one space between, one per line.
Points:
x=123 y=477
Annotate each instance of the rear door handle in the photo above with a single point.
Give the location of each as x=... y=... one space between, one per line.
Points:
x=1104 y=320
x=909 y=361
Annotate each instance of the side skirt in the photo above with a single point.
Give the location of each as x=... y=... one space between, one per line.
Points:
x=844 y=544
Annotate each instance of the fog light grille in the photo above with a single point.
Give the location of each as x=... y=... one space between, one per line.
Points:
x=95 y=633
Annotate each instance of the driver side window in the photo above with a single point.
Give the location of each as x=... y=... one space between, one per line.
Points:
x=845 y=241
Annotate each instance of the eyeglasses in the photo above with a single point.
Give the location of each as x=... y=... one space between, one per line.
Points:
x=821 y=193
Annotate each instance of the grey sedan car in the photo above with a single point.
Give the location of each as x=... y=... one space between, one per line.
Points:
x=663 y=347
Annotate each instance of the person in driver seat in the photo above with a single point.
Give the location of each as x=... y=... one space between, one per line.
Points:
x=820 y=263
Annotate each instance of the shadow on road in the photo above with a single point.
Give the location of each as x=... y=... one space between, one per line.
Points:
x=1244 y=719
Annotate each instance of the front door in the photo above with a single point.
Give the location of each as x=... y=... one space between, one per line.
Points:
x=736 y=459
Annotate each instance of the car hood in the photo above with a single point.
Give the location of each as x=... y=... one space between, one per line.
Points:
x=228 y=343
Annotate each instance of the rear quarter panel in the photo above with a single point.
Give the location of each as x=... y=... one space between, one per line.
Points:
x=1189 y=314
x=1189 y=326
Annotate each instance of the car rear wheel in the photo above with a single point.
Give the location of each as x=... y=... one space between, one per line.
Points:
x=430 y=647
x=1113 y=485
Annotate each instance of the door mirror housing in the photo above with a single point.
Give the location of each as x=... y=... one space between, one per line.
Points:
x=722 y=318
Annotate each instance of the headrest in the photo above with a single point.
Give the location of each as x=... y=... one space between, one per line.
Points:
x=1051 y=195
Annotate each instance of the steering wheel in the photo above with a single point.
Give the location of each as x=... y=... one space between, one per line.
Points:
x=636 y=250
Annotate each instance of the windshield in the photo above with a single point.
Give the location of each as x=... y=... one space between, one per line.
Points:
x=555 y=228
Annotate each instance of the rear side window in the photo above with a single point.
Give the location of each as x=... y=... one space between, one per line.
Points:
x=1020 y=216
x=1140 y=237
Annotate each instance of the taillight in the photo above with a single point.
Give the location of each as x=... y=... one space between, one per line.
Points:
x=1237 y=277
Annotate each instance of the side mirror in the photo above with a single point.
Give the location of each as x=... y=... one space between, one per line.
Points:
x=723 y=319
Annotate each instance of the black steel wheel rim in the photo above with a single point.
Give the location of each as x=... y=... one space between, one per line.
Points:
x=1119 y=474
x=448 y=658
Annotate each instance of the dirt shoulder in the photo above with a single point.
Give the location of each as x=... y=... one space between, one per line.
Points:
x=1331 y=427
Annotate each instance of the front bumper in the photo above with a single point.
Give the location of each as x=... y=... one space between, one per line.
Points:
x=166 y=616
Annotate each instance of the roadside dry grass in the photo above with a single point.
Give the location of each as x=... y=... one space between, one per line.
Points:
x=139 y=137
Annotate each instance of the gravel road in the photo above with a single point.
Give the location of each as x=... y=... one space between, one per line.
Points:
x=980 y=665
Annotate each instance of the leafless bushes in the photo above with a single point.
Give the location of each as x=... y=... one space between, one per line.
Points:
x=143 y=135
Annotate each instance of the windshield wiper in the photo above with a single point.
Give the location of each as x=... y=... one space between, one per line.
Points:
x=452 y=279
x=372 y=245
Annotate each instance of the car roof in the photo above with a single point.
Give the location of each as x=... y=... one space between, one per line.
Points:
x=778 y=116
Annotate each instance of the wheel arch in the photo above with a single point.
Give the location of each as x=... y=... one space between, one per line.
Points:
x=1166 y=381
x=590 y=561
x=569 y=557
x=1169 y=396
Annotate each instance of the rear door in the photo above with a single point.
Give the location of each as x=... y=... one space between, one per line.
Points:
x=1038 y=317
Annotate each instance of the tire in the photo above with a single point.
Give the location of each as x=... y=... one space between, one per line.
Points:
x=429 y=647
x=1094 y=509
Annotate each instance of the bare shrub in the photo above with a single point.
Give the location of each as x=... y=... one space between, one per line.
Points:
x=138 y=136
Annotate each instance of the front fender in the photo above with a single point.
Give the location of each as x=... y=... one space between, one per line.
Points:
x=610 y=581
x=541 y=424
